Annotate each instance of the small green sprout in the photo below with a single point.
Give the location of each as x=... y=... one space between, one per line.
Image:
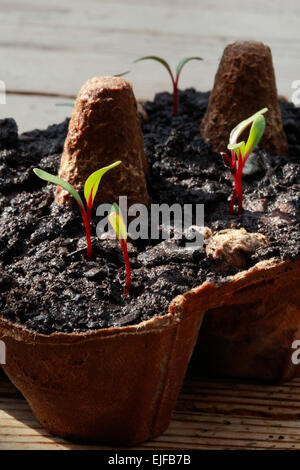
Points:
x=90 y=190
x=70 y=104
x=175 y=78
x=241 y=151
x=117 y=222
x=122 y=74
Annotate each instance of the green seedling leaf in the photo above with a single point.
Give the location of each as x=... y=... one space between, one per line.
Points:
x=236 y=132
x=92 y=183
x=116 y=221
x=65 y=104
x=256 y=132
x=158 y=59
x=182 y=63
x=241 y=151
x=121 y=74
x=44 y=175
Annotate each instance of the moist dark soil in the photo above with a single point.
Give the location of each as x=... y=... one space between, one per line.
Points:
x=46 y=282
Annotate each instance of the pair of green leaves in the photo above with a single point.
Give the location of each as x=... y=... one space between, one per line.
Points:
x=257 y=129
x=90 y=190
x=90 y=187
x=179 y=67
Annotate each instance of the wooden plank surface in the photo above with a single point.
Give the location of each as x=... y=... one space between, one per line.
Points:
x=56 y=46
x=210 y=414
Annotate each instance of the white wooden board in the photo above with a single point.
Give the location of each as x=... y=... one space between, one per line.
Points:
x=56 y=46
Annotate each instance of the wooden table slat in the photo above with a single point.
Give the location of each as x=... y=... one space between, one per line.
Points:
x=220 y=414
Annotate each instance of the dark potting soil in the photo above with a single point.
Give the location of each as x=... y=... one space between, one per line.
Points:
x=46 y=282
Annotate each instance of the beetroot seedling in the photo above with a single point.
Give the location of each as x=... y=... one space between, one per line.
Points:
x=117 y=222
x=241 y=151
x=90 y=191
x=175 y=78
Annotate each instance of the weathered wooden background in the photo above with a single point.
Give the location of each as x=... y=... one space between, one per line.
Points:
x=54 y=46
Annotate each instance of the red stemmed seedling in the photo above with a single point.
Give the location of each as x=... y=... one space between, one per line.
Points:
x=90 y=191
x=239 y=152
x=175 y=78
x=117 y=222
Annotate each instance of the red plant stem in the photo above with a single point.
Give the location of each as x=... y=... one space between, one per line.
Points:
x=227 y=160
x=231 y=206
x=127 y=265
x=88 y=240
x=86 y=216
x=88 y=235
x=175 y=97
x=232 y=164
x=238 y=190
x=240 y=196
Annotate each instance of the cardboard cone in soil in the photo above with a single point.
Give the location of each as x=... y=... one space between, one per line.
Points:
x=104 y=128
x=244 y=84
